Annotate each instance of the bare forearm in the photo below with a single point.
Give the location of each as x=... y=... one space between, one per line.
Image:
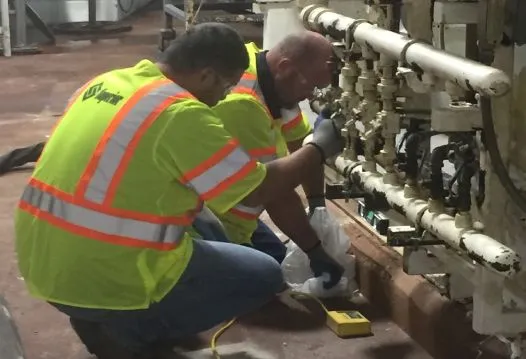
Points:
x=288 y=214
x=313 y=185
x=285 y=174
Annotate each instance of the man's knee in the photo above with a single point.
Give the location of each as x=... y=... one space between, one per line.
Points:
x=267 y=274
x=265 y=240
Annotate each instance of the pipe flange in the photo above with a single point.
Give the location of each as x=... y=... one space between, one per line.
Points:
x=349 y=33
x=305 y=13
x=349 y=169
x=403 y=53
x=316 y=26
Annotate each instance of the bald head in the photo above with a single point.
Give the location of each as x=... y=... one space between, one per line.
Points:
x=301 y=48
x=299 y=63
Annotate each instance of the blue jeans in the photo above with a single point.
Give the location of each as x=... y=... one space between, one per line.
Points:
x=221 y=281
x=263 y=239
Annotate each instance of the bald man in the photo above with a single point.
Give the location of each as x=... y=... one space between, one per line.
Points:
x=262 y=112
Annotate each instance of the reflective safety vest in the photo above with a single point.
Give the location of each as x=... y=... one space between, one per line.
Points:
x=86 y=234
x=241 y=221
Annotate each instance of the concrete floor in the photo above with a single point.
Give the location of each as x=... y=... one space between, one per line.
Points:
x=34 y=91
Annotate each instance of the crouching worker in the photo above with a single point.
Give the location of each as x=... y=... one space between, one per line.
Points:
x=101 y=226
x=263 y=113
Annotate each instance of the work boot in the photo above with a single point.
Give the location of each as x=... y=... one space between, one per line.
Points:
x=101 y=345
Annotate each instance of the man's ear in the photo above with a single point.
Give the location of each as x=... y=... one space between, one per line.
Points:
x=207 y=77
x=285 y=66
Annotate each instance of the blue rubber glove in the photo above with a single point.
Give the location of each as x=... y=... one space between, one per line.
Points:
x=321 y=262
x=324 y=113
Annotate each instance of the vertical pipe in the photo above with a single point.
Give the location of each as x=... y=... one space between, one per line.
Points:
x=92 y=12
x=20 y=21
x=6 y=29
x=189 y=11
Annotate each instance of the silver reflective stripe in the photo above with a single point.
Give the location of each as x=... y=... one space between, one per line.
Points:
x=224 y=169
x=254 y=85
x=115 y=149
x=256 y=211
x=288 y=115
x=101 y=222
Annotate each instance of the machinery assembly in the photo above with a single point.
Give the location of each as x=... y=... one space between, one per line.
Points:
x=397 y=90
x=429 y=190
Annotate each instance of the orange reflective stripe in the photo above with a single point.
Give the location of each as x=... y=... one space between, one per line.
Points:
x=293 y=123
x=290 y=118
x=90 y=233
x=115 y=148
x=262 y=151
x=265 y=154
x=218 y=172
x=183 y=220
x=211 y=161
x=121 y=115
x=135 y=141
x=247 y=213
x=248 y=85
x=249 y=76
x=228 y=182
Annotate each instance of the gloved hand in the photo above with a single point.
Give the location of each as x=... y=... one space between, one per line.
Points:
x=321 y=262
x=327 y=138
x=314 y=202
x=325 y=112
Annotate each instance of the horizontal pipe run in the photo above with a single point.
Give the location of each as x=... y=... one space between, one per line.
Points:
x=421 y=57
x=481 y=248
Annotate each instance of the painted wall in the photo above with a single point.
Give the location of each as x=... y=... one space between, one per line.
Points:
x=63 y=11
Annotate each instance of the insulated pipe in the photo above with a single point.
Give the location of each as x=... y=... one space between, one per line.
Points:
x=482 y=249
x=421 y=57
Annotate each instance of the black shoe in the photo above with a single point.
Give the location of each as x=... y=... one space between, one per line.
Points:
x=99 y=343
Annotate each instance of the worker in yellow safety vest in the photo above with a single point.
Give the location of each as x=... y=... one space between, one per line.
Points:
x=262 y=112
x=269 y=97
x=101 y=226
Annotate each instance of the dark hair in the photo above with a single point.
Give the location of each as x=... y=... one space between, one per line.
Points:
x=214 y=45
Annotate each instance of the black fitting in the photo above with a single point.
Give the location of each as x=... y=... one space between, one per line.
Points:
x=335 y=71
x=359 y=145
x=464 y=181
x=411 y=150
x=438 y=156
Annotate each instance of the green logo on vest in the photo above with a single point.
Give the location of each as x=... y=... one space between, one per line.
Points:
x=101 y=95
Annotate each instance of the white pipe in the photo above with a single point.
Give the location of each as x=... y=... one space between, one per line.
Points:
x=6 y=28
x=466 y=73
x=483 y=249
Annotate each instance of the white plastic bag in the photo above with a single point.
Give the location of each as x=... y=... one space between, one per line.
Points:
x=296 y=265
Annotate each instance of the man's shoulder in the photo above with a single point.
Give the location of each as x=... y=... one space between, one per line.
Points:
x=239 y=101
x=190 y=109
